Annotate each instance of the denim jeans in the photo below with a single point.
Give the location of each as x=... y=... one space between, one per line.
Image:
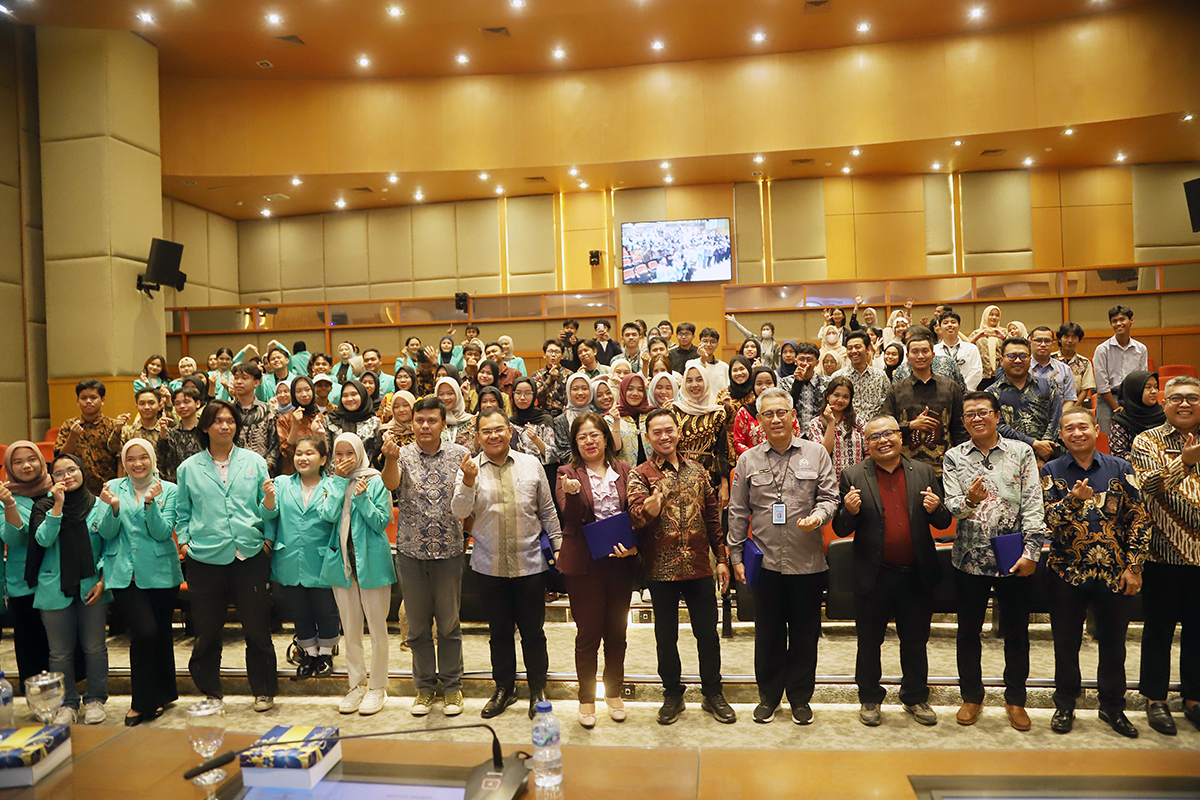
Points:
x=88 y=626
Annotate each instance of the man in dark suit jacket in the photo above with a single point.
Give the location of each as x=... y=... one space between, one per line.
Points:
x=888 y=503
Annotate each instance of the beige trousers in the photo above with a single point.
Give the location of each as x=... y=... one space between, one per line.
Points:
x=354 y=605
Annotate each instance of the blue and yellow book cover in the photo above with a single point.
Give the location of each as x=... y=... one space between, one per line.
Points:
x=24 y=747
x=301 y=754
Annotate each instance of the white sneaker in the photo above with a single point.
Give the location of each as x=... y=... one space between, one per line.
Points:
x=263 y=703
x=93 y=712
x=452 y=705
x=64 y=716
x=352 y=700
x=422 y=704
x=372 y=702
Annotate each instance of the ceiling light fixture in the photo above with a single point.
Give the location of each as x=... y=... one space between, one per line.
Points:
x=1120 y=156
x=863 y=27
x=657 y=44
x=856 y=152
x=517 y=3
x=759 y=159
x=572 y=172
x=274 y=19
x=759 y=36
x=462 y=58
x=296 y=181
x=483 y=176
x=976 y=13
x=1188 y=117
x=935 y=165
x=668 y=179
x=145 y=17
x=395 y=11
x=393 y=179
x=266 y=212
x=665 y=165
x=363 y=61
x=559 y=53
x=583 y=185
x=958 y=142
x=499 y=190
x=6 y=10
x=418 y=195
x=846 y=170
x=1028 y=162
x=1069 y=132
x=340 y=203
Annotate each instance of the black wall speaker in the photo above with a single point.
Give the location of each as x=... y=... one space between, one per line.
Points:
x=162 y=267
x=461 y=301
x=1191 y=190
x=594 y=258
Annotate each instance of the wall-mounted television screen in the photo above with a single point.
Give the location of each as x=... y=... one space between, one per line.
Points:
x=676 y=251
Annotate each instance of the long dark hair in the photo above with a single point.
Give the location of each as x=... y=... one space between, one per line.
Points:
x=610 y=454
x=209 y=415
x=833 y=384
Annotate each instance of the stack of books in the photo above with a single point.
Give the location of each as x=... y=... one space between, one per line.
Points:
x=292 y=760
x=28 y=754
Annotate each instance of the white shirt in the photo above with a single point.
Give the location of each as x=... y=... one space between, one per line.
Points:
x=970 y=363
x=1113 y=363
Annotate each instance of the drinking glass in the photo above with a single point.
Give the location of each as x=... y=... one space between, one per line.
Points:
x=206 y=731
x=44 y=694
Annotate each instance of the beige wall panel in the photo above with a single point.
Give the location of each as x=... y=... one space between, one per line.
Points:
x=12 y=332
x=1177 y=311
x=751 y=272
x=1092 y=314
x=939 y=214
x=1095 y=235
x=13 y=425
x=581 y=133
x=67 y=75
x=885 y=194
x=481 y=285
x=1162 y=44
x=277 y=115
x=75 y=204
x=191 y=230
x=903 y=91
x=577 y=272
x=1142 y=255
x=75 y=290
x=192 y=296
x=797 y=220
x=1030 y=312
x=301 y=251
x=223 y=297
x=748 y=222
x=1081 y=71
x=1047 y=238
x=530 y=234
x=730 y=87
x=821 y=97
x=1160 y=214
x=996 y=211
x=477 y=229
x=997 y=262
x=1044 y=188
x=700 y=202
x=345 y=248
x=222 y=253
x=389 y=245
x=810 y=269
x=259 y=298
x=132 y=64
x=891 y=244
x=940 y=264
x=35 y=277
x=435 y=288
x=168 y=205
x=390 y=290
x=309 y=295
x=339 y=294
x=1097 y=186
x=526 y=284
x=580 y=210
x=258 y=255
x=385 y=340
x=839 y=195
x=976 y=61
x=434 y=245
x=10 y=134
x=638 y=205
x=840 y=249
x=10 y=238
x=39 y=397
x=650 y=303
x=135 y=199
x=673 y=96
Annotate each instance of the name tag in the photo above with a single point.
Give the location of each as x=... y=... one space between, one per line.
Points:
x=778 y=514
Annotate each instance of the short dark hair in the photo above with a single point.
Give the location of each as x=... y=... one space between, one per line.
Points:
x=950 y=313
x=770 y=325
x=610 y=455
x=571 y=323
x=711 y=332
x=471 y=327
x=1045 y=328
x=410 y=338
x=209 y=415
x=1119 y=309
x=600 y=322
x=690 y=327
x=299 y=346
x=591 y=344
x=186 y=391
x=224 y=350
x=248 y=368
x=430 y=403
x=992 y=399
x=491 y=412
x=861 y=335
x=808 y=349
x=664 y=322
x=660 y=340
x=918 y=333
x=145 y=390
x=281 y=350
x=1020 y=341
x=318 y=443
x=90 y=383
x=493 y=344
x=629 y=325
x=374 y=350
x=1068 y=328
x=472 y=347
x=313 y=359
x=660 y=412
x=556 y=342
x=1074 y=409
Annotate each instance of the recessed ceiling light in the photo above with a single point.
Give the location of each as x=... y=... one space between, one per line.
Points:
x=393 y=179
x=340 y=203
x=6 y=10
x=1028 y=162
x=145 y=17
x=363 y=61
x=418 y=195
x=958 y=142
x=462 y=58
x=856 y=152
x=759 y=159
x=266 y=212
x=516 y=3
x=863 y=27
x=1069 y=132
x=274 y=19
x=976 y=12
x=559 y=53
x=665 y=165
x=668 y=179
x=583 y=185
x=759 y=36
x=296 y=181
x=395 y=11
x=657 y=44
x=1188 y=117
x=1120 y=156
x=483 y=176
x=572 y=172
x=846 y=170
x=499 y=190
x=935 y=165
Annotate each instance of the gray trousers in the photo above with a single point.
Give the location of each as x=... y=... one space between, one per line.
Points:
x=433 y=592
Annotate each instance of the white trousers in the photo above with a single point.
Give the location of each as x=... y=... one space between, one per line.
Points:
x=355 y=604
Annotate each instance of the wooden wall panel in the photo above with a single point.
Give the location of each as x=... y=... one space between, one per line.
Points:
x=975 y=61
x=1094 y=235
x=890 y=244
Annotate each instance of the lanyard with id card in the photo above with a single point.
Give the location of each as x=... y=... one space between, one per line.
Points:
x=779 y=508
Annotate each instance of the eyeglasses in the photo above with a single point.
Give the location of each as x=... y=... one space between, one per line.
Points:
x=594 y=436
x=62 y=473
x=977 y=414
x=1180 y=399
x=875 y=437
x=493 y=431
x=1042 y=341
x=776 y=414
x=1017 y=356
x=805 y=360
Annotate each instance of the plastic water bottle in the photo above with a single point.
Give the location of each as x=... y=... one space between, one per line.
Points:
x=547 y=754
x=6 y=704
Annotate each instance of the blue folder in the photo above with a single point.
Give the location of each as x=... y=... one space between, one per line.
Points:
x=605 y=534
x=1009 y=548
x=548 y=551
x=752 y=556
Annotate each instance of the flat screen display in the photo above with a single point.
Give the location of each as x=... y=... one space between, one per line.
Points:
x=679 y=251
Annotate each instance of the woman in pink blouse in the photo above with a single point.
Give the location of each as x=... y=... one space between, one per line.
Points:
x=837 y=429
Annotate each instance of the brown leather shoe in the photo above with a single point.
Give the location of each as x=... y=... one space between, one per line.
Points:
x=1018 y=717
x=968 y=713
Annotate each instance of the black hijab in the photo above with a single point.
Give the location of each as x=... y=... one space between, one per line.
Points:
x=310 y=409
x=892 y=370
x=532 y=415
x=753 y=407
x=76 y=560
x=348 y=420
x=786 y=369
x=737 y=391
x=1135 y=416
x=373 y=398
x=490 y=390
x=451 y=372
x=200 y=381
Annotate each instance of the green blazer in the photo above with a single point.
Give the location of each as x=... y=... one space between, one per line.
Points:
x=302 y=535
x=48 y=595
x=217 y=520
x=140 y=550
x=370 y=513
x=16 y=542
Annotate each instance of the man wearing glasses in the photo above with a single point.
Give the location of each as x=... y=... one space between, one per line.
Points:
x=806 y=387
x=1030 y=406
x=992 y=488
x=888 y=503
x=786 y=489
x=1045 y=366
x=1164 y=461
x=928 y=406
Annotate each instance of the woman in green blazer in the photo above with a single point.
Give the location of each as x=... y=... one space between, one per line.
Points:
x=141 y=565
x=28 y=480
x=65 y=560
x=361 y=507
x=292 y=505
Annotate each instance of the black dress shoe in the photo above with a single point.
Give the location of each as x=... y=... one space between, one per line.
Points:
x=1062 y=720
x=323 y=666
x=716 y=705
x=136 y=719
x=502 y=699
x=307 y=666
x=534 y=699
x=1120 y=723
x=1159 y=716
x=672 y=707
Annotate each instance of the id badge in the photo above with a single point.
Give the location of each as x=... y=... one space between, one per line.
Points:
x=778 y=514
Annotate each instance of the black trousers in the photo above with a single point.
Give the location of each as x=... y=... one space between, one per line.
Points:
x=700 y=596
x=147 y=614
x=899 y=593
x=1170 y=595
x=213 y=587
x=787 y=627
x=29 y=639
x=1012 y=596
x=516 y=604
x=1068 y=609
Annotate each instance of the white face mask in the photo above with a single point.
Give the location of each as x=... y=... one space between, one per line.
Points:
x=833 y=338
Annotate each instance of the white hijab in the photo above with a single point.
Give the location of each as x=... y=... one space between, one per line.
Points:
x=457 y=415
x=687 y=404
x=362 y=469
x=141 y=485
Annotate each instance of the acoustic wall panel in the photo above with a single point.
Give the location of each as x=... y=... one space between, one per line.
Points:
x=798 y=221
x=997 y=222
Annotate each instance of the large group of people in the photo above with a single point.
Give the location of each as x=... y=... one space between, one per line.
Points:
x=289 y=467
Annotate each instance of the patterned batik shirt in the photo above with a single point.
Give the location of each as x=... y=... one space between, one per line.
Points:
x=942 y=365
x=1031 y=413
x=426 y=528
x=808 y=398
x=92 y=448
x=675 y=544
x=552 y=390
x=259 y=432
x=870 y=387
x=1100 y=538
x=1171 y=492
x=1013 y=503
x=908 y=398
x=1081 y=370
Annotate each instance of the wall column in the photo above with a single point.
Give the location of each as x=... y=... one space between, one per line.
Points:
x=102 y=203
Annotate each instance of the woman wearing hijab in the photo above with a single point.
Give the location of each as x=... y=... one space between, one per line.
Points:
x=702 y=430
x=141 y=567
x=406 y=379
x=503 y=401
x=303 y=420
x=28 y=481
x=1139 y=411
x=741 y=391
x=353 y=415
x=460 y=425
x=633 y=404
x=893 y=357
x=898 y=322
x=579 y=401
x=370 y=381
x=63 y=561
x=533 y=432
x=465 y=388
x=358 y=565
x=747 y=431
x=664 y=388
x=450 y=353
x=604 y=403
x=282 y=401
x=831 y=344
